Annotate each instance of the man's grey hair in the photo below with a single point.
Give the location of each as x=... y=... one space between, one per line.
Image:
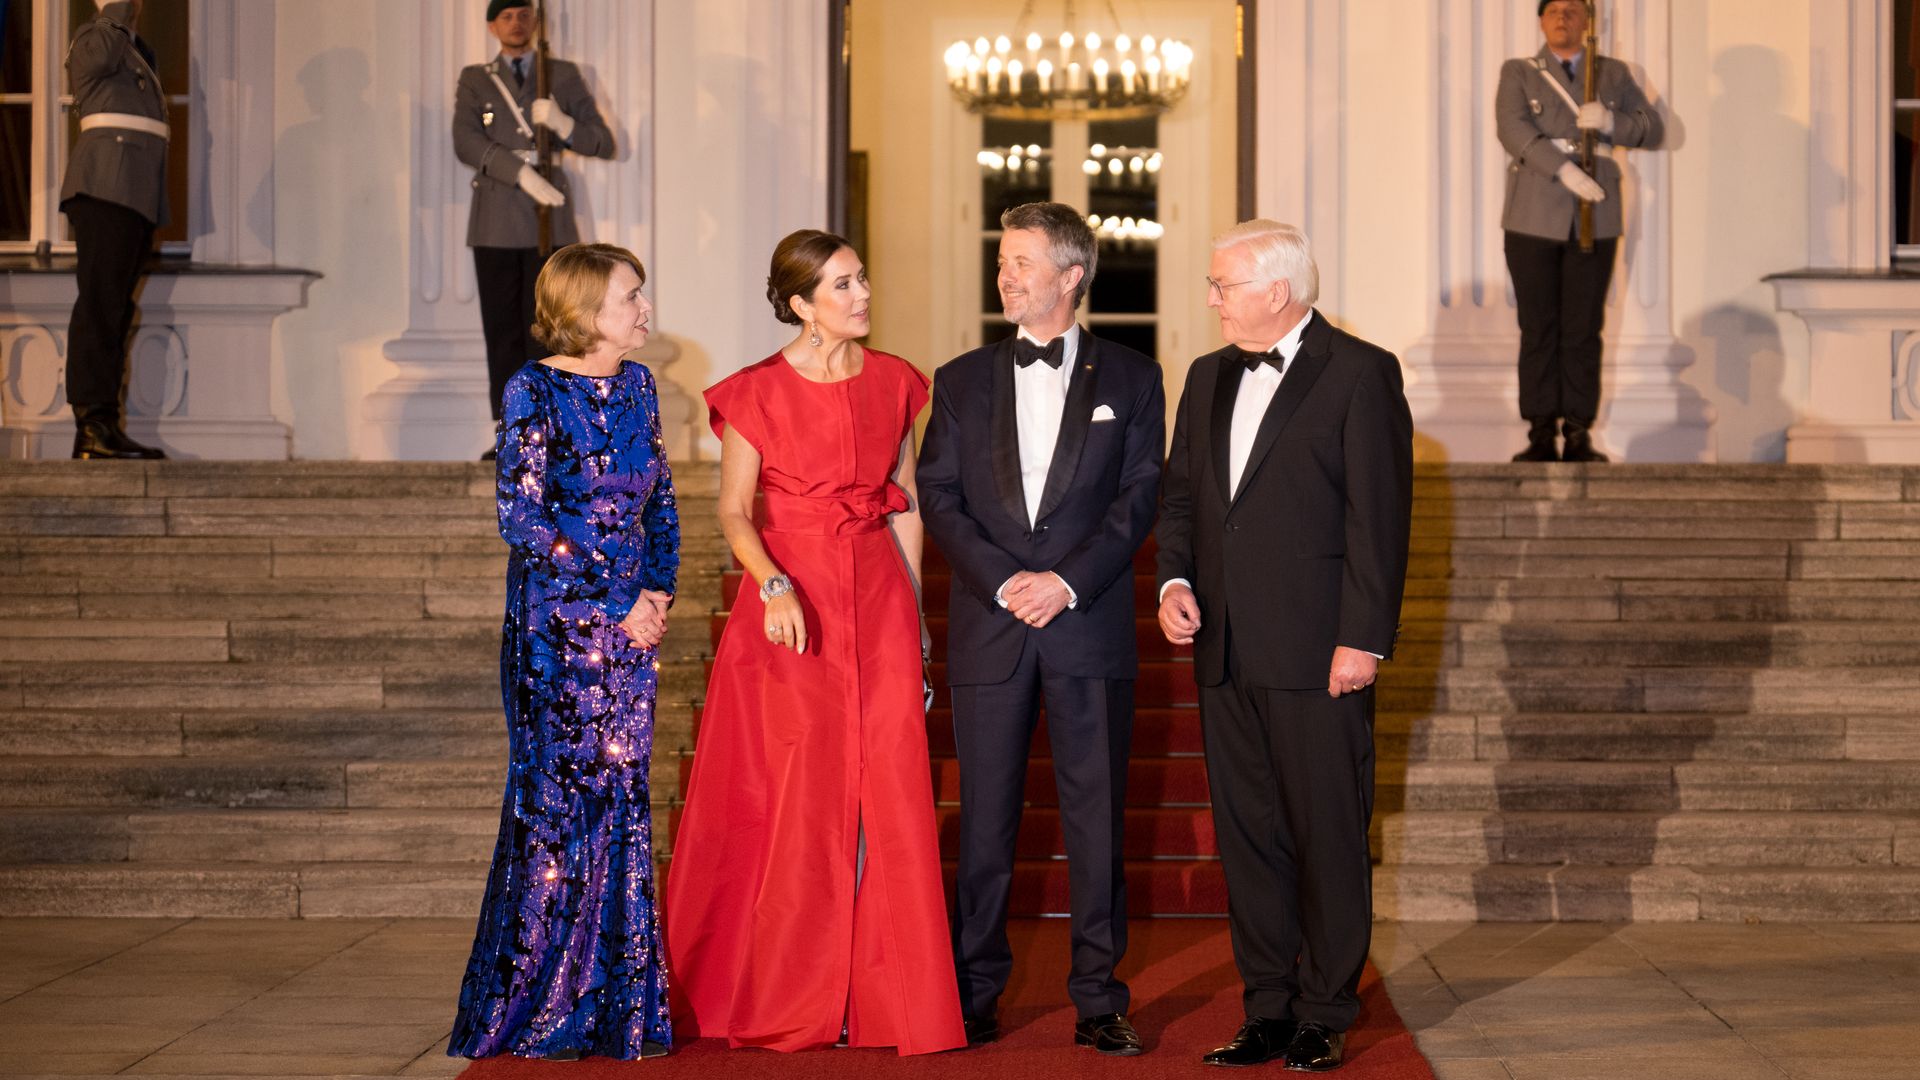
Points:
x=1280 y=253
x=1070 y=240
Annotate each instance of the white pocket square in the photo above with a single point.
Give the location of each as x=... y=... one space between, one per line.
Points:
x=1103 y=412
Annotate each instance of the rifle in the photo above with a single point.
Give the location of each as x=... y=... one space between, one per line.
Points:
x=1589 y=139
x=543 y=138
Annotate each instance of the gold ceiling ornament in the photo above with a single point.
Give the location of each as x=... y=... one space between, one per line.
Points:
x=1074 y=75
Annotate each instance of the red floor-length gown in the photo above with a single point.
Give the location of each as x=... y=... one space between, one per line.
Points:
x=769 y=940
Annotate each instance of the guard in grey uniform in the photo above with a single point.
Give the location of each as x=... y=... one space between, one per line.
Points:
x=1561 y=291
x=114 y=196
x=494 y=114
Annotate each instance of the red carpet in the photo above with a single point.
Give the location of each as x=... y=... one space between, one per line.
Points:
x=1186 y=1000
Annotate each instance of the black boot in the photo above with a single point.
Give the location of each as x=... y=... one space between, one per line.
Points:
x=1539 y=442
x=1579 y=443
x=97 y=433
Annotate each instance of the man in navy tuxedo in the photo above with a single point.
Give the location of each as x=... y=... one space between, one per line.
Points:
x=1037 y=480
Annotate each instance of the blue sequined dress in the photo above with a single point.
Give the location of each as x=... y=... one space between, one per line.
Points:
x=567 y=955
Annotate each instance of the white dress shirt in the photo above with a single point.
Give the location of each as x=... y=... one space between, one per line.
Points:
x=1039 y=404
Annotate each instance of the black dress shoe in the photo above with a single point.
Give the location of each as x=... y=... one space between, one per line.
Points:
x=1258 y=1040
x=1109 y=1033
x=571 y=1054
x=981 y=1029
x=98 y=434
x=1316 y=1049
x=1540 y=445
x=1579 y=443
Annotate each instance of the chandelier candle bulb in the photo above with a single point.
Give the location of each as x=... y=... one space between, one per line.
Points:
x=1045 y=73
x=1127 y=73
x=1015 y=69
x=1153 y=73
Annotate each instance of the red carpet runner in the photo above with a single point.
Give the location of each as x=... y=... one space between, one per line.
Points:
x=1186 y=1000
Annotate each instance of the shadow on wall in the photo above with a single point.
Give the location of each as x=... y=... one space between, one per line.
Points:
x=1740 y=338
x=346 y=230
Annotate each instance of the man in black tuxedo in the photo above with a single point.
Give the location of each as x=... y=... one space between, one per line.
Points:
x=1283 y=551
x=1037 y=479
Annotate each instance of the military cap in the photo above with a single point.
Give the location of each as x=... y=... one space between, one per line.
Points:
x=1541 y=10
x=495 y=7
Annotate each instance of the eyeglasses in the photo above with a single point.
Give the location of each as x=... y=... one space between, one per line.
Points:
x=1214 y=287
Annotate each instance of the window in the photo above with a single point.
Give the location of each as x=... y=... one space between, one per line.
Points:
x=16 y=120
x=1906 y=129
x=34 y=155
x=1112 y=169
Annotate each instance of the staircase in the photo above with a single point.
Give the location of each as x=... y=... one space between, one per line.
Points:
x=1622 y=692
x=268 y=689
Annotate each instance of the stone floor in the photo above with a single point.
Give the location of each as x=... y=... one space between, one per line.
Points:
x=1488 y=1001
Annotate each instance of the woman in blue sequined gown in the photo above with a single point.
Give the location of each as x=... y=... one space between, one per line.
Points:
x=567 y=960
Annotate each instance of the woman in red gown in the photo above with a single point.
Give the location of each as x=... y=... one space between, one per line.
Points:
x=804 y=897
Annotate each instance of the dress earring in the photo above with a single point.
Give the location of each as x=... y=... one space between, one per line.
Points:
x=813 y=335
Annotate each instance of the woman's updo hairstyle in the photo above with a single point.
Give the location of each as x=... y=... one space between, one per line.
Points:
x=796 y=267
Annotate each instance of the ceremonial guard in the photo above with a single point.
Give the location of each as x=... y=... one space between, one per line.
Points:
x=504 y=112
x=1563 y=218
x=114 y=196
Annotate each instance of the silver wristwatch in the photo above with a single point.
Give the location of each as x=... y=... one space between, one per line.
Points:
x=777 y=585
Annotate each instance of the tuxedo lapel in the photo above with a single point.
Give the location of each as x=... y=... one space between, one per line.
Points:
x=1005 y=434
x=1226 y=387
x=1075 y=422
x=1307 y=365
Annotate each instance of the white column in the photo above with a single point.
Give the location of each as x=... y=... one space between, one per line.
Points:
x=743 y=162
x=1300 y=128
x=435 y=405
x=1463 y=383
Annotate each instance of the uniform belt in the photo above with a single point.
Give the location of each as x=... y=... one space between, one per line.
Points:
x=129 y=121
x=1566 y=146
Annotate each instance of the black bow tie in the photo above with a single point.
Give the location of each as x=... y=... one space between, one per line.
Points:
x=1052 y=353
x=1271 y=358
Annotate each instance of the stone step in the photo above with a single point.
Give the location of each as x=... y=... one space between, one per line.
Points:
x=459 y=683
x=1468 y=892
x=1678 y=838
x=1653 y=786
x=313 y=836
x=124 y=782
x=283 y=479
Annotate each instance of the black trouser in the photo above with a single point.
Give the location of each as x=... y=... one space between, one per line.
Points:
x=1291 y=775
x=111 y=243
x=1090 y=726
x=505 y=278
x=1562 y=296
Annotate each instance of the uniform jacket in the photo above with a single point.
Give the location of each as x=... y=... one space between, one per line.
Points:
x=1095 y=511
x=1311 y=552
x=485 y=136
x=1529 y=115
x=110 y=70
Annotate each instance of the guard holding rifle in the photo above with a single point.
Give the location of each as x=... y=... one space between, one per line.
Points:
x=1554 y=111
x=511 y=118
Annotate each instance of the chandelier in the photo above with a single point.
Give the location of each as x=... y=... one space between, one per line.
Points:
x=1074 y=76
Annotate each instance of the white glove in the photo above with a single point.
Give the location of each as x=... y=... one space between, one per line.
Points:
x=548 y=115
x=1585 y=187
x=1593 y=117
x=544 y=193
